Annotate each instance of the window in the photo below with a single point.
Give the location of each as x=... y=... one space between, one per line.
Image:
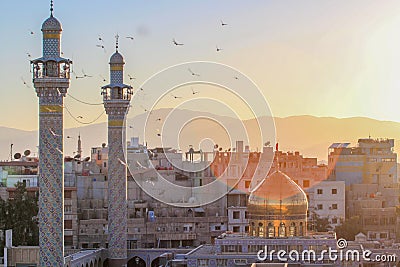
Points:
x=282 y=230
x=334 y=220
x=246 y=228
x=105 y=164
x=306 y=183
x=246 y=215
x=67 y=224
x=319 y=207
x=67 y=194
x=236 y=229
x=319 y=191
x=334 y=206
x=247 y=184
x=68 y=242
x=334 y=191
x=271 y=230
x=236 y=215
x=217 y=228
x=383 y=235
x=67 y=208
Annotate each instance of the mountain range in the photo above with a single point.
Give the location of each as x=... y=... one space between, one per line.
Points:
x=308 y=134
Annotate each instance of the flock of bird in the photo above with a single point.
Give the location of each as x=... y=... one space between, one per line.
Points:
x=101 y=45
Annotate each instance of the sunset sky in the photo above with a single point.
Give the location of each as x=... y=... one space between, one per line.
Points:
x=321 y=58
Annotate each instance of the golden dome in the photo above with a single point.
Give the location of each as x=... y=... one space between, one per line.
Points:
x=277 y=200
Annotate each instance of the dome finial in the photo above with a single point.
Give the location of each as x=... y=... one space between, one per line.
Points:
x=116 y=42
x=51 y=8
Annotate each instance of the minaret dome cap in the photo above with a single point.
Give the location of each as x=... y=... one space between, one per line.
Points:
x=117 y=58
x=51 y=24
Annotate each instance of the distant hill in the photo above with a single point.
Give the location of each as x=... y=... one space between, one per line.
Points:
x=308 y=134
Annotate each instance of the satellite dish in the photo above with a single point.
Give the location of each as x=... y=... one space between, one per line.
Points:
x=220 y=149
x=77 y=156
x=27 y=152
x=103 y=145
x=87 y=159
x=17 y=155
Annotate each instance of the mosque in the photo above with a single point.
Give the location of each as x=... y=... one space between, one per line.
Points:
x=277 y=211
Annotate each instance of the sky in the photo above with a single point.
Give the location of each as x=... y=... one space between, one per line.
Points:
x=321 y=58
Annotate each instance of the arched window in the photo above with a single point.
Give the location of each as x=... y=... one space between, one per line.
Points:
x=301 y=230
x=282 y=230
x=292 y=229
x=260 y=230
x=271 y=230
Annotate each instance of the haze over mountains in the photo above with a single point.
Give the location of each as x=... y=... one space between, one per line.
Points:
x=308 y=134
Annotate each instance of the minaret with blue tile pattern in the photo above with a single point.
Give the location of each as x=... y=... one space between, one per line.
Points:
x=116 y=98
x=51 y=75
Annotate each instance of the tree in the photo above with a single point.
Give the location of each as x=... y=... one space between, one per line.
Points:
x=349 y=228
x=319 y=224
x=19 y=214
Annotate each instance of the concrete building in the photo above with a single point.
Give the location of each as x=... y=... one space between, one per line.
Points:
x=327 y=200
x=372 y=189
x=372 y=161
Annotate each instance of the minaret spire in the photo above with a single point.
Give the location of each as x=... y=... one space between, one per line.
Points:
x=116 y=42
x=51 y=78
x=116 y=99
x=51 y=8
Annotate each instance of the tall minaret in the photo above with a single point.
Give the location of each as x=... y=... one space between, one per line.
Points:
x=51 y=81
x=116 y=98
x=79 y=151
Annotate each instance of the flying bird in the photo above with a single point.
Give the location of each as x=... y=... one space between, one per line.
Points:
x=174 y=96
x=223 y=24
x=145 y=110
x=50 y=110
x=85 y=75
x=79 y=117
x=176 y=43
x=131 y=78
x=100 y=39
x=53 y=133
x=31 y=32
x=68 y=136
x=194 y=92
x=28 y=54
x=23 y=81
x=193 y=73
x=218 y=49
x=122 y=162
x=102 y=47
x=104 y=79
x=140 y=165
x=158 y=119
x=130 y=37
x=235 y=77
